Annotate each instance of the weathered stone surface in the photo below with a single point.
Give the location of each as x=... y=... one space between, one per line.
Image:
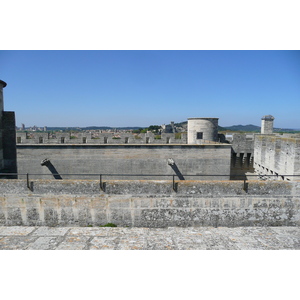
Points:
x=171 y=238
x=45 y=243
x=277 y=155
x=71 y=246
x=123 y=159
x=278 y=205
x=101 y=243
x=16 y=230
x=16 y=242
x=50 y=231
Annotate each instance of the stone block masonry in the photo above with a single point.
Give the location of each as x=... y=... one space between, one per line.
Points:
x=102 y=138
x=172 y=238
x=276 y=156
x=125 y=159
x=143 y=203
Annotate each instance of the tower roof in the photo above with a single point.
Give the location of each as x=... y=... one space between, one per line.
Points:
x=268 y=117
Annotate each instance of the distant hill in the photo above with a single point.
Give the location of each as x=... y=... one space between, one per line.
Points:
x=250 y=127
x=231 y=128
x=243 y=128
x=246 y=128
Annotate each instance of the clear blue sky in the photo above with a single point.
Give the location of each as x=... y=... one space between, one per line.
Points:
x=141 y=88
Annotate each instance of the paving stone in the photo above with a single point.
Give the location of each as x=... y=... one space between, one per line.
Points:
x=271 y=242
x=254 y=231
x=248 y=243
x=45 y=243
x=16 y=230
x=16 y=242
x=172 y=238
x=294 y=231
x=91 y=231
x=77 y=239
x=160 y=240
x=132 y=243
x=103 y=243
x=191 y=242
x=71 y=246
x=51 y=231
x=288 y=242
x=115 y=231
x=217 y=242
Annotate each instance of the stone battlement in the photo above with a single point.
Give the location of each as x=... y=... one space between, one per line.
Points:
x=142 y=203
x=101 y=138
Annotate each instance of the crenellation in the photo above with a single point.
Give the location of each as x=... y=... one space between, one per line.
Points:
x=102 y=138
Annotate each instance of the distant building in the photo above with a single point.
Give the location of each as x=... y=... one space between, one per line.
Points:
x=168 y=128
x=267 y=124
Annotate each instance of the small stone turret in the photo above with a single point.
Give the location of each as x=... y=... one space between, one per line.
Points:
x=202 y=129
x=267 y=124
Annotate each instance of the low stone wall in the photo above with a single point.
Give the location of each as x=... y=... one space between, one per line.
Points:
x=149 y=203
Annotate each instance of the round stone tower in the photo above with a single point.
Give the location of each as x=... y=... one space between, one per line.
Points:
x=267 y=124
x=202 y=129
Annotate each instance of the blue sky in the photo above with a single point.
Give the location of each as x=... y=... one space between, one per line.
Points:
x=141 y=88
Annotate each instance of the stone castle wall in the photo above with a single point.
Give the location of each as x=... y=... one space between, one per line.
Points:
x=125 y=159
x=274 y=155
x=149 y=203
x=102 y=138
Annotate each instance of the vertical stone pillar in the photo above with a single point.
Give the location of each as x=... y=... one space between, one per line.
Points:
x=2 y=85
x=8 y=152
x=267 y=124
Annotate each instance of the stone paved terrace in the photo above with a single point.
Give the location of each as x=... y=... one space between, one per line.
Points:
x=172 y=238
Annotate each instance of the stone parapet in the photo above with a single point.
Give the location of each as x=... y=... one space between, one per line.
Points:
x=149 y=203
x=100 y=138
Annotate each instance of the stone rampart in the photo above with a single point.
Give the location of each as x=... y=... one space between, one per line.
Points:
x=275 y=155
x=124 y=159
x=101 y=138
x=149 y=203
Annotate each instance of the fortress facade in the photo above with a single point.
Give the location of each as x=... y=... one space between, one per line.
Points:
x=199 y=152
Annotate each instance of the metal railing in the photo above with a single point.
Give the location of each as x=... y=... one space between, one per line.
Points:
x=172 y=177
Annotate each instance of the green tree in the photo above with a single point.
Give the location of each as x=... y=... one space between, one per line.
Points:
x=154 y=128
